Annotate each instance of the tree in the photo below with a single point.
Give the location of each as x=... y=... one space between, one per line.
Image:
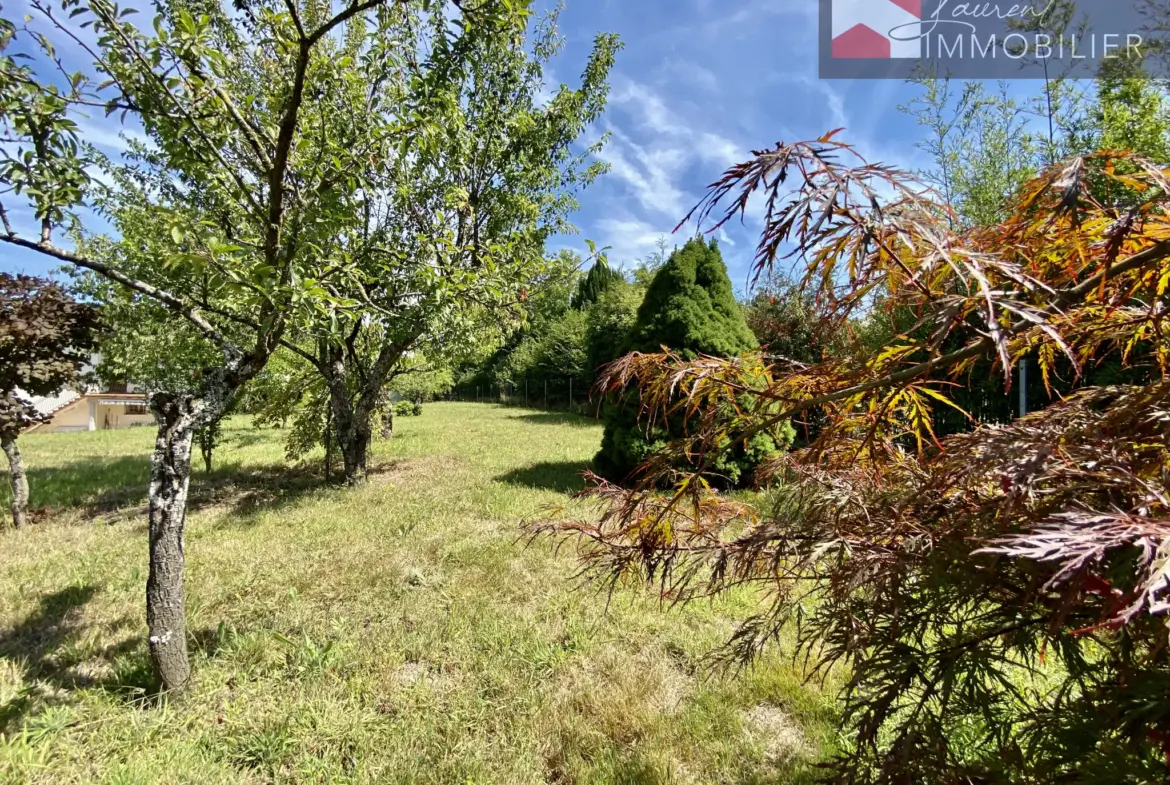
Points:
x=646 y=268
x=979 y=144
x=984 y=146
x=608 y=321
x=222 y=217
x=421 y=381
x=999 y=596
x=599 y=279
x=547 y=298
x=690 y=309
x=785 y=323
x=455 y=229
x=45 y=339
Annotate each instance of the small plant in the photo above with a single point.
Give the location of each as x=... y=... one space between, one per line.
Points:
x=307 y=656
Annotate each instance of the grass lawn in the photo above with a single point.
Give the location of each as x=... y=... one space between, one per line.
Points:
x=399 y=632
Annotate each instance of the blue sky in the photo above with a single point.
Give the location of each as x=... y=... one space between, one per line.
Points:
x=698 y=84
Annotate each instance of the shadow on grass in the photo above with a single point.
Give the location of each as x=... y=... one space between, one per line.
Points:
x=249 y=490
x=115 y=489
x=562 y=476
x=49 y=646
x=109 y=483
x=557 y=418
x=248 y=438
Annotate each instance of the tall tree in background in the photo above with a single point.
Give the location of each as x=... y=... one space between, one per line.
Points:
x=979 y=142
x=239 y=177
x=600 y=278
x=784 y=321
x=45 y=339
x=546 y=299
x=608 y=321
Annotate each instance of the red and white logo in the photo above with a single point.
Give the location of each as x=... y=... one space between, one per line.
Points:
x=876 y=28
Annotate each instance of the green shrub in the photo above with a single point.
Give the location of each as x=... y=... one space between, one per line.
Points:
x=422 y=386
x=407 y=408
x=691 y=309
x=600 y=279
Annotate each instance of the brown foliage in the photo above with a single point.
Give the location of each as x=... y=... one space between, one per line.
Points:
x=1000 y=594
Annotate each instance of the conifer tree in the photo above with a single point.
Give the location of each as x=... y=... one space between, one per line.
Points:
x=600 y=278
x=690 y=309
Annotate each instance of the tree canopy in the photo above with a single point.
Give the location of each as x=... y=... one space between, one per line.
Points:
x=46 y=337
x=264 y=129
x=691 y=308
x=600 y=278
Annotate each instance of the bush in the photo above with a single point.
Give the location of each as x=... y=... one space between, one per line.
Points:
x=691 y=309
x=422 y=386
x=407 y=408
x=600 y=279
x=610 y=318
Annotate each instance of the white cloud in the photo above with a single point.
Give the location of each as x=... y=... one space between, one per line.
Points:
x=629 y=238
x=109 y=134
x=721 y=23
x=654 y=170
x=547 y=90
x=688 y=75
x=719 y=150
x=656 y=156
x=655 y=117
x=650 y=175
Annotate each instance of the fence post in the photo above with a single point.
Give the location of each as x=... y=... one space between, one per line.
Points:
x=570 y=393
x=525 y=392
x=546 y=393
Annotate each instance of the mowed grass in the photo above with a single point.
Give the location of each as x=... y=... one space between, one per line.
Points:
x=401 y=632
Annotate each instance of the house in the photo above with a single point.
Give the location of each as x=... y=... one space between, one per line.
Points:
x=111 y=406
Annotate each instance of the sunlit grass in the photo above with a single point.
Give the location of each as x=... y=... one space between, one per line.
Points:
x=400 y=632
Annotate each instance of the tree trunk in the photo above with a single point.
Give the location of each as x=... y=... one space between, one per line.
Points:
x=354 y=455
x=328 y=441
x=19 y=481
x=352 y=426
x=353 y=413
x=353 y=429
x=170 y=475
x=388 y=422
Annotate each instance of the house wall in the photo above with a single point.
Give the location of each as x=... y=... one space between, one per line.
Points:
x=116 y=417
x=75 y=417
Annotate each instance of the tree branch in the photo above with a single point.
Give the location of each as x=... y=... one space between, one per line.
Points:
x=1064 y=297
x=176 y=304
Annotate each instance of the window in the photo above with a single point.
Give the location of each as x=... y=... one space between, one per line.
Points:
x=137 y=408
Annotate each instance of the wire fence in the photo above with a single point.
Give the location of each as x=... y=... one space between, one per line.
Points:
x=564 y=395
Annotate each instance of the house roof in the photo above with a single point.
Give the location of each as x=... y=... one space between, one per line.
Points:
x=48 y=404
